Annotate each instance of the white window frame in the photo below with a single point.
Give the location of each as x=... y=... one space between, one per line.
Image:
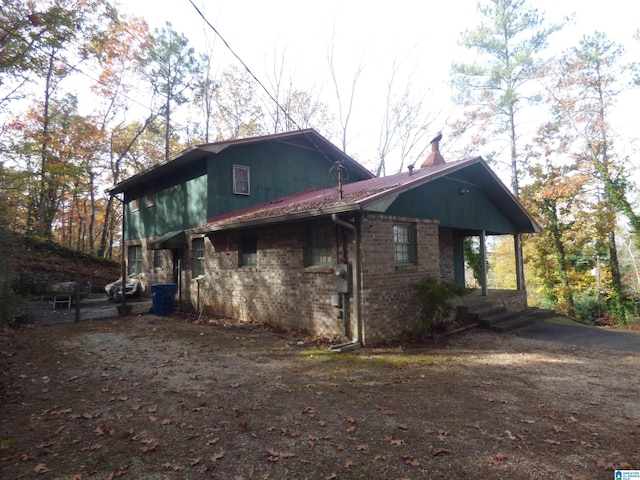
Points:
x=404 y=244
x=198 y=256
x=134 y=257
x=241 y=180
x=320 y=246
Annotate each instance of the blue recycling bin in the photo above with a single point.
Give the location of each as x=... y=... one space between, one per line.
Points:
x=163 y=298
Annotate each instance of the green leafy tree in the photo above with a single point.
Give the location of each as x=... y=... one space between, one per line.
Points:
x=586 y=82
x=30 y=35
x=171 y=67
x=494 y=89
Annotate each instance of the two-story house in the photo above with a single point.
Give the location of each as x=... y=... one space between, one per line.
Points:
x=286 y=229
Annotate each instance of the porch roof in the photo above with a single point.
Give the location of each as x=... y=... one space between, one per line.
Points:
x=169 y=240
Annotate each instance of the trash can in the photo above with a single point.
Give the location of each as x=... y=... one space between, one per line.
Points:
x=163 y=298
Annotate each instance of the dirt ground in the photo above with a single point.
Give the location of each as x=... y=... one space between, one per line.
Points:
x=146 y=397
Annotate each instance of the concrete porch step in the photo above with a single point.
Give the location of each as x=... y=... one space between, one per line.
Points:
x=513 y=322
x=496 y=318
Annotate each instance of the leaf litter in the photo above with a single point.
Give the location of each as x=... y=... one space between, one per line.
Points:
x=166 y=396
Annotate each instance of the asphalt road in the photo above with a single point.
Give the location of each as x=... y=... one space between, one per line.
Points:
x=581 y=335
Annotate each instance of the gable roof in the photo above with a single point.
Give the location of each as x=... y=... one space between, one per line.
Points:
x=307 y=138
x=373 y=195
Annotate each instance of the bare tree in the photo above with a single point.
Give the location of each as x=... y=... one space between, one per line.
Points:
x=406 y=126
x=345 y=105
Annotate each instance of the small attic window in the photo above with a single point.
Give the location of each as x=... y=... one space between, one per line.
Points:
x=241 y=180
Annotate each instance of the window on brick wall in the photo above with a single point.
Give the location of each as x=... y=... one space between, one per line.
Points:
x=320 y=245
x=135 y=259
x=404 y=243
x=197 y=246
x=249 y=250
x=157 y=259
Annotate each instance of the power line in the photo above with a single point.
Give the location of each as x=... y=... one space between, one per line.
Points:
x=246 y=67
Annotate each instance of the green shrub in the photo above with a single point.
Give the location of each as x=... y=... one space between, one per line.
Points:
x=434 y=302
x=586 y=306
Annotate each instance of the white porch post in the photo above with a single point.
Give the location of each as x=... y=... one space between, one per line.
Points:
x=483 y=263
x=517 y=246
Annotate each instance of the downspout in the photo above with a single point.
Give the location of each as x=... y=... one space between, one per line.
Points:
x=355 y=343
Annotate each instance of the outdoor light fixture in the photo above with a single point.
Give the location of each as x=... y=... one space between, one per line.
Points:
x=464 y=191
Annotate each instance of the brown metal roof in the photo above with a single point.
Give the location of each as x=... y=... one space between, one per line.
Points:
x=359 y=195
x=307 y=138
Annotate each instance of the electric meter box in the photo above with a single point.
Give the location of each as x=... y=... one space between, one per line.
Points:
x=343 y=274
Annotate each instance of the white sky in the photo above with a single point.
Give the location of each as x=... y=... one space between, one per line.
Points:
x=420 y=34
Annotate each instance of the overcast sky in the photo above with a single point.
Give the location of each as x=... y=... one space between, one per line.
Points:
x=420 y=35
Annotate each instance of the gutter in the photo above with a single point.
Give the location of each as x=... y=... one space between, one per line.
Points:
x=284 y=218
x=355 y=343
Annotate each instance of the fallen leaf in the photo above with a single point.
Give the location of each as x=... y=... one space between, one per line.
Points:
x=396 y=441
x=556 y=428
x=349 y=463
x=380 y=458
x=351 y=429
x=411 y=460
x=217 y=456
x=195 y=461
x=362 y=448
x=40 y=468
x=441 y=451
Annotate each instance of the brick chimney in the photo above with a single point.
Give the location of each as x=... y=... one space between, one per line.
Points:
x=434 y=158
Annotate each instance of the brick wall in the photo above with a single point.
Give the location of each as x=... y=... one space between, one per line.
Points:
x=389 y=303
x=280 y=290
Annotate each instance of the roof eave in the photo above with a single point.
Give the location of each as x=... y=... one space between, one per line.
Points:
x=287 y=218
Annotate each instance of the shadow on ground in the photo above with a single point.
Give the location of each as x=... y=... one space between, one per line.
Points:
x=42 y=312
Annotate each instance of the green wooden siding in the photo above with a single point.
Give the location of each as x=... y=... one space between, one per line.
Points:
x=276 y=170
x=442 y=200
x=179 y=204
x=204 y=189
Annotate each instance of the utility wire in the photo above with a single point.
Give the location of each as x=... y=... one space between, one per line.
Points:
x=246 y=67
